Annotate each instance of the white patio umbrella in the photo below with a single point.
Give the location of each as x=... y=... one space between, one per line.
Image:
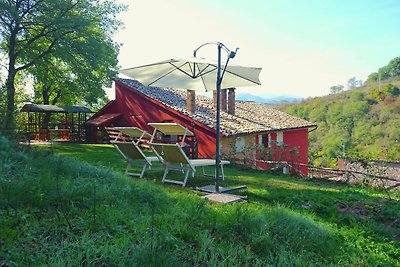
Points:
x=193 y=74
x=201 y=75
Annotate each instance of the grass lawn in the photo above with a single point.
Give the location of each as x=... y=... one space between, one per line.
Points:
x=117 y=220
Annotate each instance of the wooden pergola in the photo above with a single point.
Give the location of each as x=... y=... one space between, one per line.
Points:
x=66 y=125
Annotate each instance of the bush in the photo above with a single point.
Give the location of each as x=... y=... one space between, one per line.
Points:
x=389 y=90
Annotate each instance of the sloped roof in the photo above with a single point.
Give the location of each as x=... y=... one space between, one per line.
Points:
x=55 y=109
x=249 y=117
x=104 y=119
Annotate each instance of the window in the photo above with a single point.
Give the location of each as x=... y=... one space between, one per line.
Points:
x=239 y=144
x=264 y=140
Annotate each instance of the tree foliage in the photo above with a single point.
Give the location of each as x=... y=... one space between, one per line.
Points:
x=389 y=72
x=336 y=89
x=363 y=122
x=393 y=67
x=65 y=45
x=353 y=83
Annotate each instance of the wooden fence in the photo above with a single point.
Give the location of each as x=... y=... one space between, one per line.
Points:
x=344 y=175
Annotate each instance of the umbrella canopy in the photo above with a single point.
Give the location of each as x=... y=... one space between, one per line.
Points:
x=193 y=74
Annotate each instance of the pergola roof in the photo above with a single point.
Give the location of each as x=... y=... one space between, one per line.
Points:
x=54 y=109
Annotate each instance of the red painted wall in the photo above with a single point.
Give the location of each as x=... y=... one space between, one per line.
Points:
x=297 y=139
x=296 y=150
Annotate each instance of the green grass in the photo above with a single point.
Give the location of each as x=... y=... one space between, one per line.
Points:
x=70 y=204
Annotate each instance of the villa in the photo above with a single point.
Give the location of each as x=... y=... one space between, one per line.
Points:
x=244 y=125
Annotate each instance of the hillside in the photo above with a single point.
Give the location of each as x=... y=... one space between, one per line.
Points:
x=62 y=211
x=360 y=123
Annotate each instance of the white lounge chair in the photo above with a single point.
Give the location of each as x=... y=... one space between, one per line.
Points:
x=171 y=128
x=172 y=154
x=131 y=150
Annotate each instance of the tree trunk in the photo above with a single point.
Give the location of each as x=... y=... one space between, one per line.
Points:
x=9 y=124
x=10 y=118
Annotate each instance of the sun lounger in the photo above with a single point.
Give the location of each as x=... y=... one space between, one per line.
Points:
x=142 y=137
x=171 y=128
x=131 y=150
x=172 y=155
x=175 y=133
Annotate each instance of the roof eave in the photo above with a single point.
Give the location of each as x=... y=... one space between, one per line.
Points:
x=271 y=131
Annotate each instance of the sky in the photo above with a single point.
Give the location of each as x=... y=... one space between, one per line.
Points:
x=303 y=47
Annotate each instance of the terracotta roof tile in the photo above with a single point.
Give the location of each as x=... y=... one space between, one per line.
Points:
x=249 y=117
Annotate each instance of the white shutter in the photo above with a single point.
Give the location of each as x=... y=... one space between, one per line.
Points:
x=279 y=138
x=239 y=144
x=260 y=140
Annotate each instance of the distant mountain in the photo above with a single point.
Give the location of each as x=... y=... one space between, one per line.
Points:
x=272 y=100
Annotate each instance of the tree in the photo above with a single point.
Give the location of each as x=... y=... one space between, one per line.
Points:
x=354 y=83
x=78 y=77
x=386 y=72
x=394 y=67
x=372 y=78
x=57 y=35
x=383 y=73
x=336 y=89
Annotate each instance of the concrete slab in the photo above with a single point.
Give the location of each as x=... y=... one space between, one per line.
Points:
x=211 y=189
x=222 y=198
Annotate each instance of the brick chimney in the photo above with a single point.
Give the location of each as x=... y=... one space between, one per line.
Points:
x=215 y=99
x=223 y=99
x=191 y=101
x=231 y=101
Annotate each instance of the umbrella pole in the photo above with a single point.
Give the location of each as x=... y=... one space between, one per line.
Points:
x=217 y=149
